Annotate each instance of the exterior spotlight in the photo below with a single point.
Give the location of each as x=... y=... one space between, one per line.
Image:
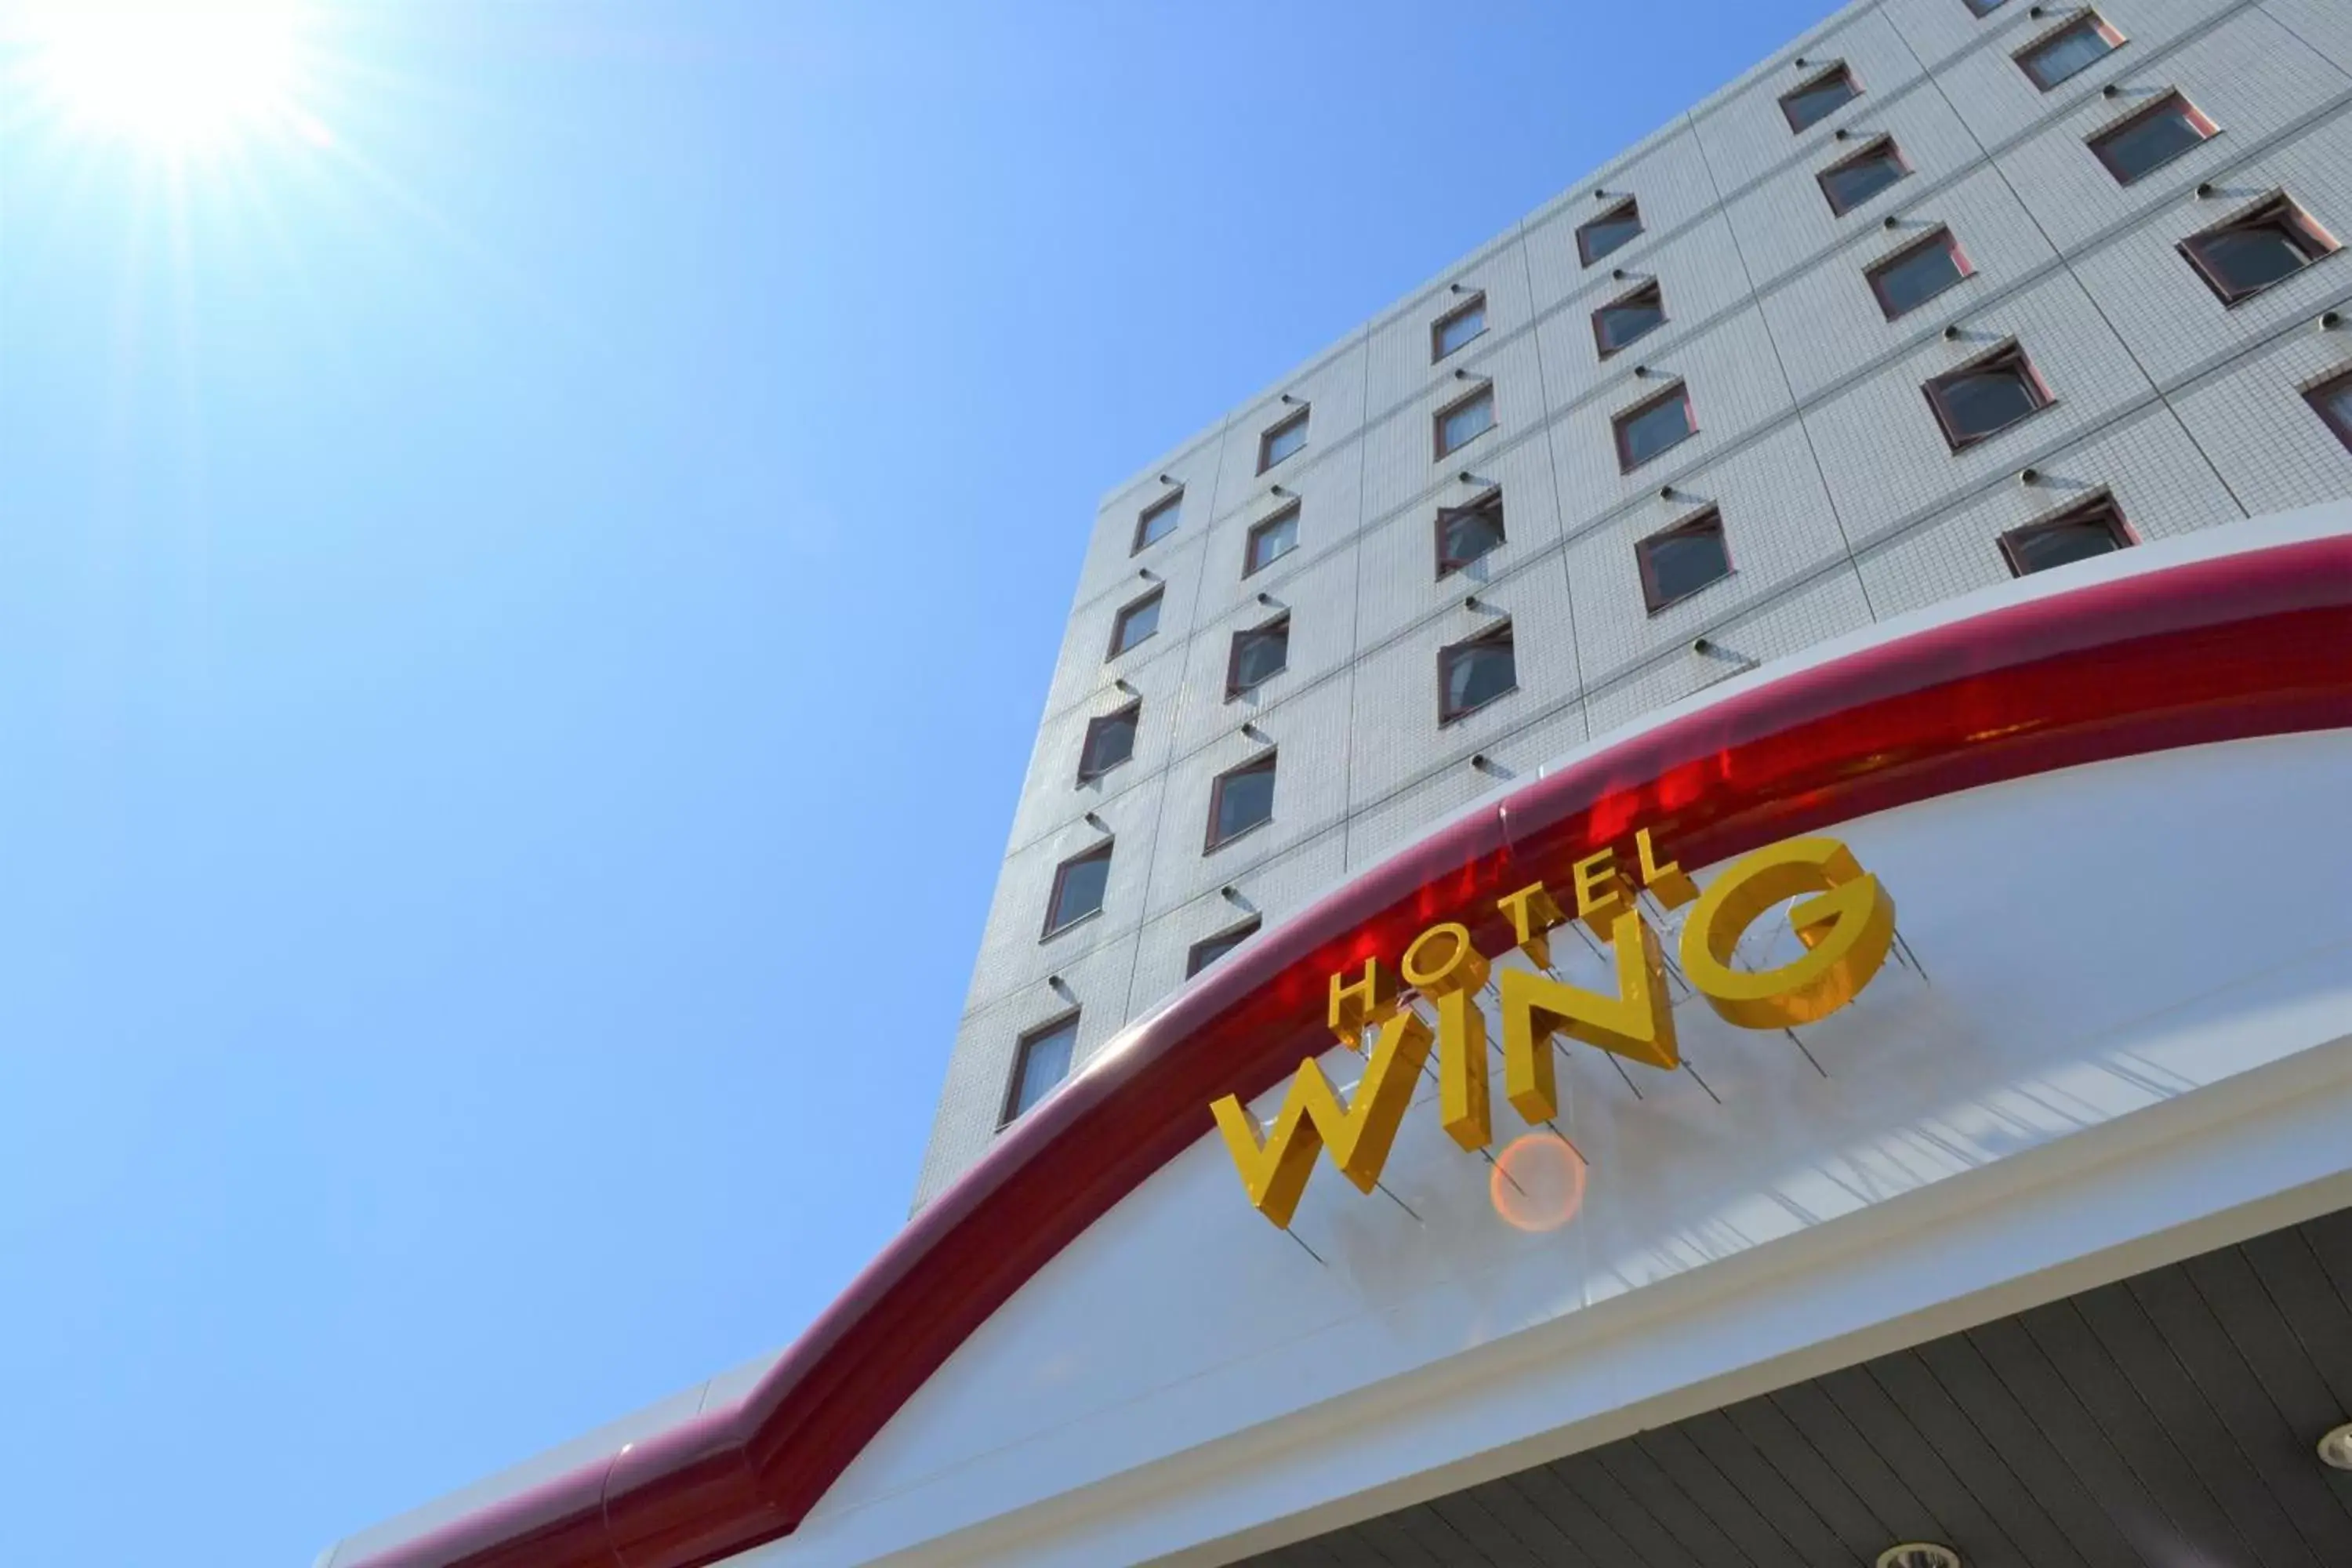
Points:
x=1166 y=481
x=1287 y=398
x=1230 y=891
x=1458 y=287
x=1466 y=477
x=1840 y=134
x=2335 y=1449
x=1641 y=371
x=1275 y=490
x=2331 y=321
x=1952 y=333
x=1617 y=273
x=1266 y=599
x=1121 y=685
x=1599 y=194
x=2029 y=476
x=1703 y=646
x=1892 y=223
x=1667 y=492
x=2111 y=90
x=1471 y=604
x=2204 y=190
x=1800 y=62
x=1478 y=760
x=1144 y=572
x=1460 y=375
x=1919 y=1555
x=1096 y=823
x=2037 y=13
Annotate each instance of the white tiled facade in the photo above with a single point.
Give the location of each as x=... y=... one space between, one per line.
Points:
x=1840 y=501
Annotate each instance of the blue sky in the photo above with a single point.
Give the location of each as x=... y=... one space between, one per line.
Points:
x=521 y=621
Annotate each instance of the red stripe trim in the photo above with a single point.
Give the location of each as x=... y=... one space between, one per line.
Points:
x=2247 y=645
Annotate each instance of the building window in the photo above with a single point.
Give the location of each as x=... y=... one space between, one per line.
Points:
x=2332 y=401
x=1649 y=428
x=2077 y=47
x=1158 y=520
x=1270 y=540
x=1241 y=799
x=2152 y=138
x=1852 y=181
x=1820 y=98
x=1282 y=439
x=1110 y=740
x=1465 y=419
x=1474 y=673
x=1078 y=884
x=1039 y=1062
x=1610 y=231
x=2095 y=528
x=1259 y=655
x=1207 y=951
x=2248 y=254
x=1984 y=7
x=1622 y=319
x=1918 y=273
x=1467 y=532
x=1680 y=560
x=1135 y=623
x=1457 y=326
x=1987 y=395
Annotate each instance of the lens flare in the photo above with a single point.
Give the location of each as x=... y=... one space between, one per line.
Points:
x=1538 y=1181
x=175 y=75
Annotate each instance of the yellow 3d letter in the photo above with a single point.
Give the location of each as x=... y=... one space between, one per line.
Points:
x=1638 y=1022
x=1847 y=930
x=1442 y=967
x=1275 y=1165
x=1357 y=1004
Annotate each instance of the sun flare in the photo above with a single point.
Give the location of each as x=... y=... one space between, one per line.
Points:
x=175 y=75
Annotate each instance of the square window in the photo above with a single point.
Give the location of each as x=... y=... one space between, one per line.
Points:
x=1631 y=316
x=1918 y=273
x=1457 y=326
x=2077 y=47
x=1820 y=98
x=2332 y=401
x=2095 y=528
x=1158 y=520
x=1852 y=181
x=1208 y=952
x=1465 y=419
x=1984 y=7
x=1987 y=395
x=2152 y=138
x=1241 y=799
x=1467 y=532
x=1135 y=623
x=1681 y=560
x=1270 y=540
x=1110 y=740
x=1474 y=673
x=1259 y=655
x=1610 y=231
x=1078 y=884
x=2246 y=255
x=1041 y=1061
x=1280 y=440
x=1649 y=428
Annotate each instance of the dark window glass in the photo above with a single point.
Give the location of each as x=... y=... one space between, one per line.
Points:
x=1466 y=421
x=1473 y=674
x=1042 y=1061
x=2082 y=43
x=1985 y=7
x=1241 y=800
x=1611 y=230
x=1110 y=740
x=1989 y=396
x=1918 y=273
x=1205 y=953
x=2249 y=254
x=1457 y=327
x=2097 y=529
x=1135 y=623
x=1652 y=427
x=1282 y=440
x=1158 y=520
x=1620 y=321
x=1850 y=183
x=1259 y=655
x=1467 y=532
x=2152 y=138
x=1078 y=884
x=1819 y=99
x=1270 y=540
x=1684 y=559
x=2333 y=402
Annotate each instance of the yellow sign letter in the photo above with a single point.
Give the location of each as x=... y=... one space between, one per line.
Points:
x=1848 y=930
x=1638 y=1022
x=1274 y=1166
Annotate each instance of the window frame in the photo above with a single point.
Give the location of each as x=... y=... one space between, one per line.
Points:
x=1173 y=501
x=1102 y=852
x=2337 y=381
x=1653 y=287
x=1705 y=520
x=1265 y=761
x=1288 y=512
x=1438 y=352
x=1877 y=146
x=1012 y=1110
x=1624 y=205
x=2013 y=349
x=2100 y=508
x=1266 y=437
x=1876 y=273
x=1500 y=632
x=1828 y=73
x=2101 y=142
x=1234 y=691
x=2088 y=17
x=1482 y=392
x=1133 y=712
x=1224 y=941
x=2277 y=206
x=1489 y=500
x=1118 y=623
x=1619 y=422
